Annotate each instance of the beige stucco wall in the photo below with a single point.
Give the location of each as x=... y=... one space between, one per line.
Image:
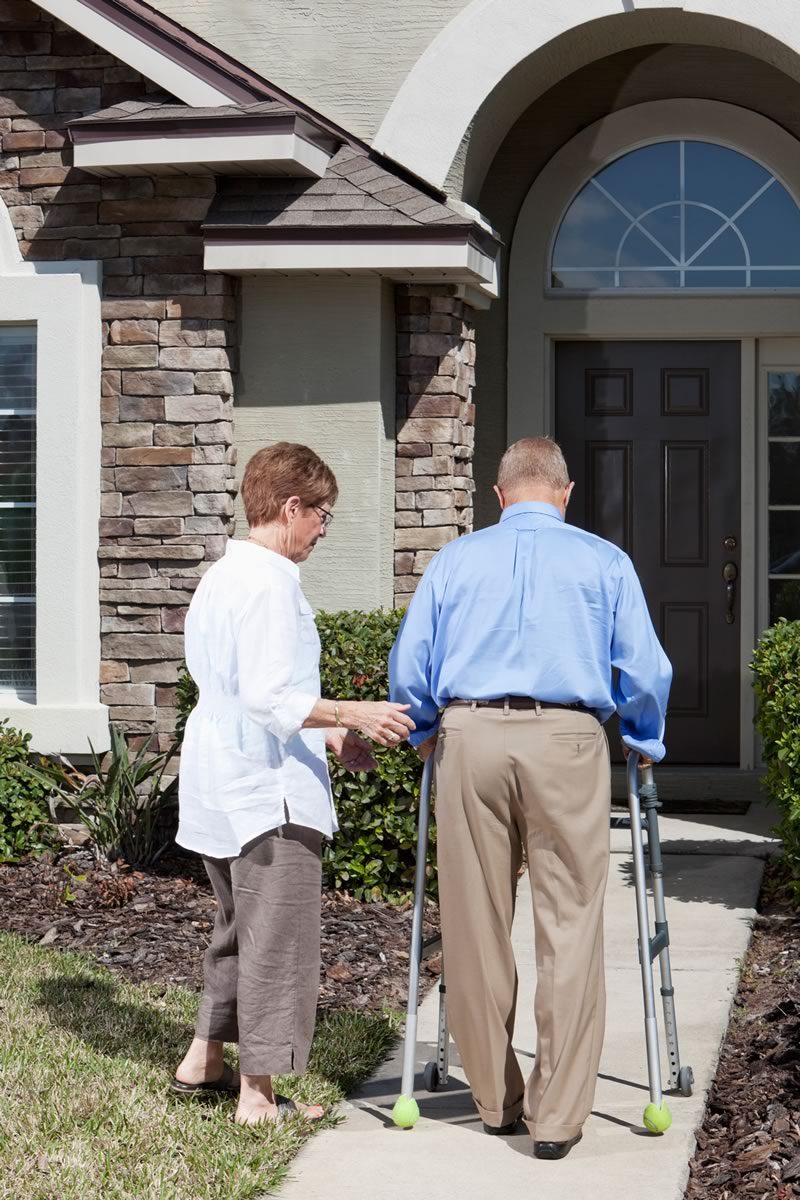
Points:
x=346 y=58
x=318 y=366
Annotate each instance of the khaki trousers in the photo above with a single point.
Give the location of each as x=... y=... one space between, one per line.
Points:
x=539 y=781
x=261 y=970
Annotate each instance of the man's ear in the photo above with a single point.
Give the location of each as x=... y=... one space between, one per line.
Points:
x=501 y=498
x=568 y=493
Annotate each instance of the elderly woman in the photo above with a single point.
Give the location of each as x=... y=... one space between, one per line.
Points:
x=255 y=798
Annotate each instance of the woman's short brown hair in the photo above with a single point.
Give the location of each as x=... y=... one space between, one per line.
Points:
x=277 y=472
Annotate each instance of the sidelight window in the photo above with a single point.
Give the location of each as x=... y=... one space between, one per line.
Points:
x=783 y=392
x=679 y=214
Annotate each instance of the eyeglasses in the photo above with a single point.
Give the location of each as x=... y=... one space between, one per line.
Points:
x=324 y=516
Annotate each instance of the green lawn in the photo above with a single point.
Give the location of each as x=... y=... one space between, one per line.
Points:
x=84 y=1063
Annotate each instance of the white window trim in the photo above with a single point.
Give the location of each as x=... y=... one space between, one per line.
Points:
x=63 y=301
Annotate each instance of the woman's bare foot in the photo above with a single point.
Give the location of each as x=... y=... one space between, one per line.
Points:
x=258 y=1103
x=263 y=1114
x=203 y=1063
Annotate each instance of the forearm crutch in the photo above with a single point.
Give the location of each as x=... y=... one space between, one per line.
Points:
x=643 y=805
x=406 y=1110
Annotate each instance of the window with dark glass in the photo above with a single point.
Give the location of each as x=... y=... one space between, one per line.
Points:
x=680 y=214
x=17 y=509
x=783 y=393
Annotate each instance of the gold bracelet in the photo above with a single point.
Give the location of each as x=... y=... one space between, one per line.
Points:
x=336 y=712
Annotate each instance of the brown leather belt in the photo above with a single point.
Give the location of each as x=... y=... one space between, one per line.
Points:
x=520 y=703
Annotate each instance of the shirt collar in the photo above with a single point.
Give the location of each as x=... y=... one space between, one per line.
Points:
x=523 y=507
x=261 y=556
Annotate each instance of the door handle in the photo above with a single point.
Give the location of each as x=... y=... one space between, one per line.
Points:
x=730 y=573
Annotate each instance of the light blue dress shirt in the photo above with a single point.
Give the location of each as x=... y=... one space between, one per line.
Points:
x=533 y=607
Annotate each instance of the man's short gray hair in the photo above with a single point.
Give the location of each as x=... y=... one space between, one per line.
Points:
x=533 y=461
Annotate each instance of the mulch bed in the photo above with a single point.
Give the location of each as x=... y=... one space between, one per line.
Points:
x=749 y=1144
x=153 y=926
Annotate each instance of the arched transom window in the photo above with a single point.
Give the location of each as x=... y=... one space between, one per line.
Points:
x=679 y=214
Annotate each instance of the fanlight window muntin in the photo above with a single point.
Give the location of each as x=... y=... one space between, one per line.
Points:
x=679 y=214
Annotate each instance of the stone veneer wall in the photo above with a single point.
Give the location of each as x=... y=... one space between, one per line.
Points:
x=169 y=349
x=435 y=428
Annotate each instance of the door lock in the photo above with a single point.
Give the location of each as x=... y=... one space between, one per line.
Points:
x=730 y=573
x=730 y=543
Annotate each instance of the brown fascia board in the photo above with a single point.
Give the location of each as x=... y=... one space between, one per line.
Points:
x=217 y=68
x=448 y=231
x=87 y=131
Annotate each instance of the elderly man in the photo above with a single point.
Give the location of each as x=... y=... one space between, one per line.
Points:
x=516 y=632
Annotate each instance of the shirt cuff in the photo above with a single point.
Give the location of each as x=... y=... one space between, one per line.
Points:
x=289 y=717
x=649 y=747
x=422 y=735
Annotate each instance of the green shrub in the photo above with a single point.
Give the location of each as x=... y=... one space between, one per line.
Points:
x=125 y=806
x=26 y=826
x=776 y=666
x=373 y=854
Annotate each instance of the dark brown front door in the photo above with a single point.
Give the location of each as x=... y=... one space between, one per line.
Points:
x=650 y=431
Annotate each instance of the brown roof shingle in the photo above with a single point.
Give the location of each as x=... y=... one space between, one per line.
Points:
x=356 y=190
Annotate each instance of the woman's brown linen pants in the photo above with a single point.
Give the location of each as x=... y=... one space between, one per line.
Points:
x=261 y=969
x=505 y=781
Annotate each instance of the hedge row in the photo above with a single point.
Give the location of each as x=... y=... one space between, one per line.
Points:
x=776 y=667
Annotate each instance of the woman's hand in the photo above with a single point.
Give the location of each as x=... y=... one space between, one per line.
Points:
x=381 y=720
x=351 y=750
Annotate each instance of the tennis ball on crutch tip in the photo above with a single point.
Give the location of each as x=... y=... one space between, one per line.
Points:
x=657 y=1118
x=405 y=1113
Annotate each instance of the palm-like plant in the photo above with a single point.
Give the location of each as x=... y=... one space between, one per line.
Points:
x=124 y=805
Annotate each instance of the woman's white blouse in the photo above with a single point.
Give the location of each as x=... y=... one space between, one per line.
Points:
x=253 y=650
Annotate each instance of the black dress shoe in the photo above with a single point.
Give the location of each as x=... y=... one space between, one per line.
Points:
x=501 y=1130
x=554 y=1149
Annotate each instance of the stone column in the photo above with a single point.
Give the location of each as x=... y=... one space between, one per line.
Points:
x=435 y=427
x=168 y=460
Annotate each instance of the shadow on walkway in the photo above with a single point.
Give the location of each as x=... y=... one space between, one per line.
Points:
x=701 y=875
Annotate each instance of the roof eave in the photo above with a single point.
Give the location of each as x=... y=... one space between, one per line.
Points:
x=284 y=144
x=452 y=253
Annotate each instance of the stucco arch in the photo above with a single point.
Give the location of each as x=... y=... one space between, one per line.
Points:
x=491 y=39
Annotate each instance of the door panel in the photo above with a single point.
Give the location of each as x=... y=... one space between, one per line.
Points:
x=650 y=431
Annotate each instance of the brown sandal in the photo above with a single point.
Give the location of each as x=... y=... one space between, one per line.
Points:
x=227 y=1084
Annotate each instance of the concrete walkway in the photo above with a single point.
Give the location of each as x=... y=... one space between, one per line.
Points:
x=713 y=869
